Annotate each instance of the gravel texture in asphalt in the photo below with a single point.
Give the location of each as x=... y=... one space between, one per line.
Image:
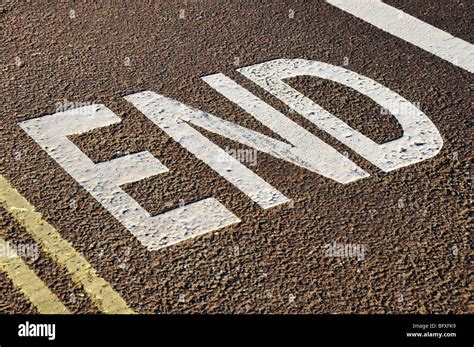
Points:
x=412 y=222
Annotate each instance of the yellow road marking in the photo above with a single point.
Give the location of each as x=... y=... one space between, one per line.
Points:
x=30 y=285
x=100 y=291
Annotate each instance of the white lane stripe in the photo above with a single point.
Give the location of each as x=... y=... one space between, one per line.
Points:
x=411 y=29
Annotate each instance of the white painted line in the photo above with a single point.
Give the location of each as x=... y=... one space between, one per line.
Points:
x=411 y=29
x=421 y=139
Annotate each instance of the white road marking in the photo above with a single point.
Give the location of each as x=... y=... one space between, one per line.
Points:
x=103 y=180
x=411 y=29
x=172 y=117
x=308 y=151
x=421 y=140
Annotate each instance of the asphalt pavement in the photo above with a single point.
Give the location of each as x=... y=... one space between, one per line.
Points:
x=403 y=235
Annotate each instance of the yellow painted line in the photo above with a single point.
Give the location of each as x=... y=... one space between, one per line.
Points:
x=29 y=284
x=99 y=290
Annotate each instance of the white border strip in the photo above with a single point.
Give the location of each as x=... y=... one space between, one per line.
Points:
x=411 y=29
